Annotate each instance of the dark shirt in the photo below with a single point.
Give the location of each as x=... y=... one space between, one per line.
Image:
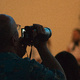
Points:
x=13 y=67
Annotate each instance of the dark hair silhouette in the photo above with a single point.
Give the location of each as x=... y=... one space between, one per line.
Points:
x=69 y=64
x=78 y=30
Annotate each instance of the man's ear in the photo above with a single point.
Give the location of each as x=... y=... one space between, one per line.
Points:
x=14 y=41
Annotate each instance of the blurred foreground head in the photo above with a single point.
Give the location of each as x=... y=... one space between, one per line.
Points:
x=69 y=64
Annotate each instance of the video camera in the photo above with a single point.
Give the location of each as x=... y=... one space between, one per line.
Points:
x=29 y=34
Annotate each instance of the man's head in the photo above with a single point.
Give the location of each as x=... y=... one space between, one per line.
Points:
x=8 y=32
x=76 y=35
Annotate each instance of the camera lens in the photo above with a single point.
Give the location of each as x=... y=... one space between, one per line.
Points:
x=48 y=32
x=46 y=36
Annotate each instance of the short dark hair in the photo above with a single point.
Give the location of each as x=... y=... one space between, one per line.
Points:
x=77 y=29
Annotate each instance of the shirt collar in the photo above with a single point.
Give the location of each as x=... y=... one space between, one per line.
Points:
x=8 y=55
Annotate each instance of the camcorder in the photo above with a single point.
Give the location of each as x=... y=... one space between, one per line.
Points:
x=29 y=33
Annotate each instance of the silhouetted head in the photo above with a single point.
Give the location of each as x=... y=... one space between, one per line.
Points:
x=76 y=35
x=8 y=32
x=69 y=64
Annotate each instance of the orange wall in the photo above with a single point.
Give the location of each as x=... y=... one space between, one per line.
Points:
x=60 y=15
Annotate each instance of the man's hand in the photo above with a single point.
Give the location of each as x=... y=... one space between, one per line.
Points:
x=39 y=31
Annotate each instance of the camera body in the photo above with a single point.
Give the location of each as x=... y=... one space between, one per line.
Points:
x=29 y=34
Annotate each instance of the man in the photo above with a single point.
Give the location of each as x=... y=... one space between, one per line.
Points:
x=74 y=46
x=12 y=48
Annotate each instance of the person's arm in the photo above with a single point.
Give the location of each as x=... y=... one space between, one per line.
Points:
x=47 y=58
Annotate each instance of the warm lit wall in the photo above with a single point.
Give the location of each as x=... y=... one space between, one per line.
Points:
x=60 y=15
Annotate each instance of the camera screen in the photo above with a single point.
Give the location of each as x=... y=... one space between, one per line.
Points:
x=22 y=32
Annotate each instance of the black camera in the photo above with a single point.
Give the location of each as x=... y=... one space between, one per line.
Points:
x=29 y=33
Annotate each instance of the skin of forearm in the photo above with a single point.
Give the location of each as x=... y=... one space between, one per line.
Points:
x=48 y=59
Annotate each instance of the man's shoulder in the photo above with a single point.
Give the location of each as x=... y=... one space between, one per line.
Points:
x=16 y=68
x=71 y=44
x=39 y=71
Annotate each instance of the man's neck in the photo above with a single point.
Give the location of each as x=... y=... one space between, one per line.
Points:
x=8 y=49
